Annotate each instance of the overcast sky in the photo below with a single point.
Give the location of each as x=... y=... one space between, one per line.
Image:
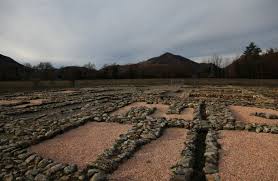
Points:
x=71 y=32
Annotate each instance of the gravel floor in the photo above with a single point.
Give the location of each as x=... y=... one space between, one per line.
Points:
x=7 y=102
x=32 y=103
x=81 y=145
x=243 y=114
x=248 y=156
x=67 y=91
x=161 y=110
x=153 y=161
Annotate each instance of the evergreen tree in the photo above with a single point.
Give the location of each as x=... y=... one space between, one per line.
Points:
x=252 y=50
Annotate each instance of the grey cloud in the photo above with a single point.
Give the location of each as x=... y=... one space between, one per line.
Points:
x=75 y=32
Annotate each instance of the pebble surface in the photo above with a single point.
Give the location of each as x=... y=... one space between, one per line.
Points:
x=242 y=113
x=81 y=145
x=154 y=160
x=248 y=156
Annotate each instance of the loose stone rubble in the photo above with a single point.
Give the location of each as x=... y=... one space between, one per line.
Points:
x=23 y=126
x=265 y=115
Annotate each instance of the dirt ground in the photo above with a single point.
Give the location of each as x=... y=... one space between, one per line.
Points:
x=243 y=114
x=81 y=145
x=152 y=162
x=248 y=156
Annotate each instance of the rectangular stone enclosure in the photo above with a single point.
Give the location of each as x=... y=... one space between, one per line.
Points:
x=153 y=161
x=81 y=145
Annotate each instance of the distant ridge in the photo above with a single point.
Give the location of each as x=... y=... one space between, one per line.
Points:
x=166 y=65
x=7 y=61
x=12 y=70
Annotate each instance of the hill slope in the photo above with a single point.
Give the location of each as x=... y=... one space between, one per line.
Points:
x=12 y=70
x=7 y=61
x=264 y=66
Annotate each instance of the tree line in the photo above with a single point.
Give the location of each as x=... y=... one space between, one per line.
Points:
x=253 y=63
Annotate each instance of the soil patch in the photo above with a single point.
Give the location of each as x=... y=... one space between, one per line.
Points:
x=248 y=156
x=68 y=91
x=154 y=160
x=9 y=102
x=242 y=113
x=33 y=102
x=81 y=145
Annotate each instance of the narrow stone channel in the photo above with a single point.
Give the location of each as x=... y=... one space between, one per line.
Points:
x=199 y=163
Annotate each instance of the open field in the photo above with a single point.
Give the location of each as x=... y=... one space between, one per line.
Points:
x=141 y=132
x=13 y=85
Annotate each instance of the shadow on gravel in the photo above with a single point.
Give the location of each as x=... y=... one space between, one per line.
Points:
x=198 y=174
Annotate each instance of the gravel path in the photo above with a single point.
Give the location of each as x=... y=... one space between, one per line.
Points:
x=243 y=114
x=81 y=145
x=161 y=110
x=153 y=161
x=67 y=92
x=8 y=102
x=248 y=156
x=32 y=103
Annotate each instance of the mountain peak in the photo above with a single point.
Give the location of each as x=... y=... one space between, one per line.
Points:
x=167 y=54
x=169 y=59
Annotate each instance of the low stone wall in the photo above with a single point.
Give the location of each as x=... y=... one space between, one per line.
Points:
x=124 y=147
x=212 y=156
x=184 y=169
x=177 y=108
x=199 y=158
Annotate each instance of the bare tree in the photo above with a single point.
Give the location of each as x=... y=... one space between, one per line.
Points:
x=270 y=51
x=90 y=66
x=45 y=71
x=216 y=60
x=43 y=66
x=216 y=67
x=28 y=65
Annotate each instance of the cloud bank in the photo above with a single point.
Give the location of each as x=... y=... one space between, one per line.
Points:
x=69 y=32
